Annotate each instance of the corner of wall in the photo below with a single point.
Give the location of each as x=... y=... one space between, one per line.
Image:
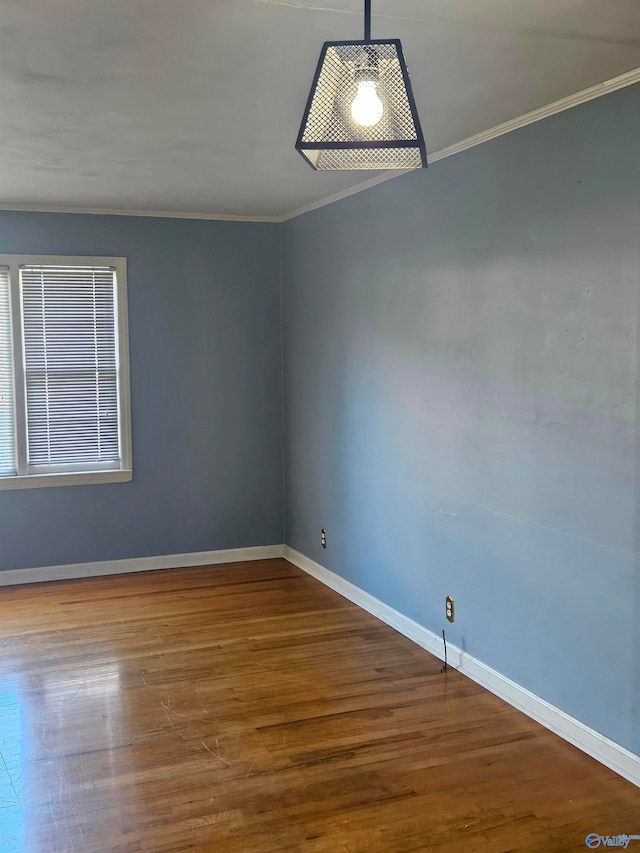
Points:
x=283 y=452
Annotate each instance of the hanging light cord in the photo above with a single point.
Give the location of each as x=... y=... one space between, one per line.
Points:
x=367 y=20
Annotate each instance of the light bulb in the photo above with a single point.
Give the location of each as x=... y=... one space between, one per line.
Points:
x=366 y=107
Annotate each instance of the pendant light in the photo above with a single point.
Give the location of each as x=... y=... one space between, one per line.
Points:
x=361 y=113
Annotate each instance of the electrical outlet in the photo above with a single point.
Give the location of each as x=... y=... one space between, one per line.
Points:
x=450 y=609
x=323 y=538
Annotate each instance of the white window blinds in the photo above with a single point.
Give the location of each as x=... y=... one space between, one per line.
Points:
x=71 y=366
x=7 y=414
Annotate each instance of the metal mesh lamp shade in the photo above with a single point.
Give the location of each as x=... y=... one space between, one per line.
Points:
x=361 y=113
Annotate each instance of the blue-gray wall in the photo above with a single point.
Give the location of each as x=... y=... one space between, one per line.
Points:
x=461 y=368
x=204 y=319
x=461 y=375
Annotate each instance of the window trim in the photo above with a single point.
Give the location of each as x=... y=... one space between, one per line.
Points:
x=69 y=478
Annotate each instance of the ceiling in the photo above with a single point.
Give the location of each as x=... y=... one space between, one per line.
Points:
x=194 y=105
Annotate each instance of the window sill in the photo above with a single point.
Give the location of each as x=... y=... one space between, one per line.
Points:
x=80 y=478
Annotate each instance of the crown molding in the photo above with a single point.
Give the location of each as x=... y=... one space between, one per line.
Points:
x=597 y=91
x=612 y=85
x=161 y=214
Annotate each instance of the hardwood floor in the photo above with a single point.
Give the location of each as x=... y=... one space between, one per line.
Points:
x=248 y=708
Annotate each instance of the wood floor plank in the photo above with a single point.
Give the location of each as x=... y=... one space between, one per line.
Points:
x=248 y=708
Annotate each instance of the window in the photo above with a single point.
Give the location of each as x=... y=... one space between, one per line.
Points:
x=64 y=371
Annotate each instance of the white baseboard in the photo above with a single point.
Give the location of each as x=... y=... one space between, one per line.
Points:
x=139 y=564
x=604 y=750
